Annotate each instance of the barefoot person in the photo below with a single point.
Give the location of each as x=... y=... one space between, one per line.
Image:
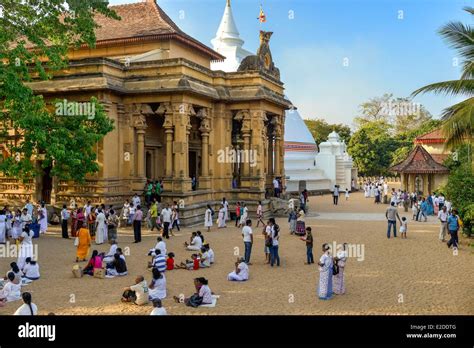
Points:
x=241 y=272
x=84 y=243
x=27 y=308
x=157 y=288
x=208 y=218
x=203 y=294
x=325 y=274
x=248 y=240
x=137 y=293
x=339 y=284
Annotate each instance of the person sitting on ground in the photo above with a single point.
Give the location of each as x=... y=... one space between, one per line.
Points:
x=170 y=262
x=27 y=308
x=192 y=264
x=157 y=288
x=199 y=234
x=117 y=268
x=203 y=294
x=31 y=269
x=159 y=261
x=196 y=242
x=109 y=257
x=15 y=270
x=210 y=252
x=11 y=290
x=137 y=293
x=94 y=263
x=241 y=272
x=205 y=261
x=160 y=244
x=158 y=308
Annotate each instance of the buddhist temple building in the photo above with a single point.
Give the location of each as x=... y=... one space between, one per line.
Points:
x=174 y=116
x=423 y=170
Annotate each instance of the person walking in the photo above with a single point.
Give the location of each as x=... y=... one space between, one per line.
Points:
x=248 y=240
x=166 y=219
x=309 y=246
x=453 y=228
x=443 y=229
x=392 y=215
x=137 y=224
x=275 y=236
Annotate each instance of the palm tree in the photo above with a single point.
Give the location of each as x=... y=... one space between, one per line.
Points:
x=458 y=119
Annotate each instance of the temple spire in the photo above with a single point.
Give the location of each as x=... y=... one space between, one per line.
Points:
x=227 y=32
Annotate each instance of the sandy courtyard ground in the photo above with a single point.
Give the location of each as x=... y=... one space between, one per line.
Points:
x=419 y=275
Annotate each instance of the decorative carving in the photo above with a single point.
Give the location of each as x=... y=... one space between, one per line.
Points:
x=164 y=108
x=146 y=110
x=168 y=123
x=262 y=61
x=205 y=126
x=139 y=121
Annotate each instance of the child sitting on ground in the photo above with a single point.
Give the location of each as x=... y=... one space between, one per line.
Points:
x=170 y=262
x=192 y=264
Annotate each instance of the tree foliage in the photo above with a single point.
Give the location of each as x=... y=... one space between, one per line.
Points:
x=458 y=125
x=35 y=37
x=320 y=130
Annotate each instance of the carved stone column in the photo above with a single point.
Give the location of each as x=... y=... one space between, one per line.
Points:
x=181 y=121
x=205 y=129
x=278 y=149
x=166 y=110
x=139 y=122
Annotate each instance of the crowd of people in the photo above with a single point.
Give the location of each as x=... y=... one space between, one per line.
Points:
x=98 y=224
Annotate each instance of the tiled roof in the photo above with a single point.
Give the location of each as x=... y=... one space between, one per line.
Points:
x=419 y=161
x=435 y=136
x=143 y=21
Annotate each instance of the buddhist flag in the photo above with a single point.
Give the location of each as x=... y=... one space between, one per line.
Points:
x=261 y=17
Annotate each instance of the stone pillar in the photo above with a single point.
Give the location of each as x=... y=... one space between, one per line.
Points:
x=270 y=169
x=166 y=110
x=181 y=121
x=140 y=128
x=278 y=150
x=204 y=181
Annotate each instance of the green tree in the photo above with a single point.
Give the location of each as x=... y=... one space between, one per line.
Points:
x=371 y=148
x=458 y=119
x=320 y=130
x=35 y=37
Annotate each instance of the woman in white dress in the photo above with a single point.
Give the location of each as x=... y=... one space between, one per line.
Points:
x=225 y=204
x=100 y=227
x=221 y=218
x=26 y=247
x=208 y=218
x=17 y=223
x=245 y=215
x=339 y=284
x=157 y=288
x=43 y=218
x=325 y=274
x=3 y=227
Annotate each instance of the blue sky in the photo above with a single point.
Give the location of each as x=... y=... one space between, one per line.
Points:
x=313 y=38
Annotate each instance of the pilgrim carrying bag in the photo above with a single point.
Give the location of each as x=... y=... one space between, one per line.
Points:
x=335 y=268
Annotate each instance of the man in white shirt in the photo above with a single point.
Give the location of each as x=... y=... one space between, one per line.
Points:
x=248 y=240
x=87 y=209
x=443 y=218
x=276 y=187
x=161 y=245
x=25 y=218
x=137 y=293
x=241 y=272
x=196 y=242
x=136 y=200
x=113 y=249
x=166 y=219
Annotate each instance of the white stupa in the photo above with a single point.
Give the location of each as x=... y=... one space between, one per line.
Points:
x=228 y=43
x=301 y=168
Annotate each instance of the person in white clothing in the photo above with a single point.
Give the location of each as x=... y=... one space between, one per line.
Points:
x=100 y=227
x=166 y=213
x=3 y=227
x=157 y=287
x=204 y=258
x=196 y=242
x=43 y=218
x=161 y=245
x=208 y=218
x=136 y=200
x=26 y=247
x=109 y=257
x=137 y=293
x=158 y=308
x=241 y=272
x=27 y=308
x=31 y=269
x=245 y=214
x=225 y=205
x=11 y=291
